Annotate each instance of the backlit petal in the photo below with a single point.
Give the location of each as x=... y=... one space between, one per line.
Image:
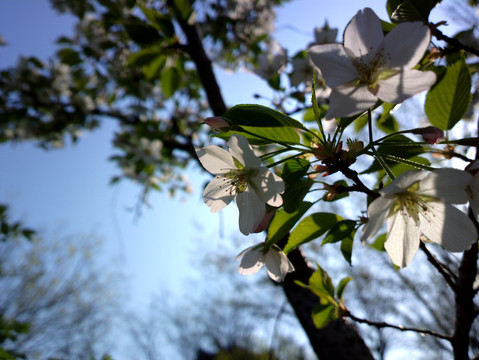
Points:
x=217 y=195
x=251 y=261
x=405 y=44
x=405 y=84
x=447 y=184
x=335 y=65
x=378 y=212
x=447 y=226
x=349 y=100
x=268 y=187
x=277 y=264
x=364 y=34
x=215 y=159
x=241 y=150
x=251 y=210
x=402 y=240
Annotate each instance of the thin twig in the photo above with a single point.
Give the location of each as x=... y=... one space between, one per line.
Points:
x=382 y=324
x=447 y=274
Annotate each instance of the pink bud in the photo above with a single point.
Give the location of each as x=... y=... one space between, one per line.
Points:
x=430 y=134
x=216 y=123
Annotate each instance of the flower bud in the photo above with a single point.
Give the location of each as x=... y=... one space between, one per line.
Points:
x=430 y=134
x=216 y=123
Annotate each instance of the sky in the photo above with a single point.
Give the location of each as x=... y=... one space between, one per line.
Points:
x=69 y=187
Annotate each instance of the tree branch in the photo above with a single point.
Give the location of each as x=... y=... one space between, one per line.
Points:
x=382 y=324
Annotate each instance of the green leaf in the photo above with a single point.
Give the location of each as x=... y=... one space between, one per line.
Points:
x=257 y=116
x=341 y=230
x=324 y=314
x=386 y=122
x=347 y=249
x=311 y=228
x=448 y=100
x=378 y=243
x=69 y=57
x=144 y=57
x=342 y=286
x=283 y=222
x=410 y=10
x=294 y=169
x=264 y=135
x=295 y=193
x=170 y=80
x=160 y=21
x=141 y=33
x=400 y=147
x=321 y=284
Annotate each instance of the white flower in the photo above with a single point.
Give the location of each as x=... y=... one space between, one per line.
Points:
x=324 y=35
x=276 y=261
x=371 y=66
x=420 y=202
x=271 y=63
x=239 y=175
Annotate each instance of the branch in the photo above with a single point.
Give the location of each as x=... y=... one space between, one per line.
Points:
x=447 y=274
x=381 y=324
x=456 y=44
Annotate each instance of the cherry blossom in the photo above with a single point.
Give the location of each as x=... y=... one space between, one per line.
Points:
x=239 y=175
x=418 y=203
x=371 y=66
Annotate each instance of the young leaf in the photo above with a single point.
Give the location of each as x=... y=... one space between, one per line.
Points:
x=324 y=314
x=283 y=222
x=448 y=100
x=294 y=169
x=342 y=286
x=311 y=228
x=258 y=116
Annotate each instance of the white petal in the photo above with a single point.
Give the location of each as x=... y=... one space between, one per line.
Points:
x=447 y=226
x=251 y=210
x=277 y=264
x=402 y=240
x=251 y=261
x=215 y=159
x=402 y=86
x=404 y=181
x=364 y=34
x=268 y=186
x=349 y=100
x=378 y=212
x=474 y=200
x=241 y=150
x=217 y=195
x=405 y=44
x=335 y=65
x=447 y=184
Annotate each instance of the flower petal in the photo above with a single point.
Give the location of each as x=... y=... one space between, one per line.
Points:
x=217 y=195
x=335 y=65
x=251 y=261
x=402 y=240
x=349 y=100
x=447 y=226
x=404 y=181
x=241 y=150
x=364 y=34
x=405 y=84
x=277 y=264
x=447 y=184
x=268 y=186
x=215 y=159
x=378 y=212
x=404 y=46
x=251 y=210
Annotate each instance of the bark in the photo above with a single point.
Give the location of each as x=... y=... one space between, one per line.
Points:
x=339 y=340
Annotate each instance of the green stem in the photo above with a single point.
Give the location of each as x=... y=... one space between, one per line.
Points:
x=376 y=154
